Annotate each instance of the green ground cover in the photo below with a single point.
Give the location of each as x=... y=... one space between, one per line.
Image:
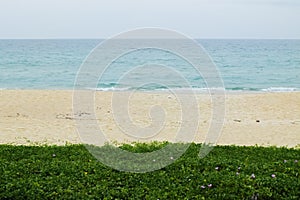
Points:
x=227 y=172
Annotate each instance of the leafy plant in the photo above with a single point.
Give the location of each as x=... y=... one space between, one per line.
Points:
x=228 y=172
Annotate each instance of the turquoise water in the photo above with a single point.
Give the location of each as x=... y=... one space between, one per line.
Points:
x=244 y=65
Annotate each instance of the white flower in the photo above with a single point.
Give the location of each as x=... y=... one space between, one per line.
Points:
x=273 y=175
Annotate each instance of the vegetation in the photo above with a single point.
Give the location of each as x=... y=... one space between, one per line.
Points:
x=227 y=172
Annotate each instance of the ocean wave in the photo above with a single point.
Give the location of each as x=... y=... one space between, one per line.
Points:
x=280 y=89
x=173 y=89
x=159 y=89
x=243 y=89
x=201 y=90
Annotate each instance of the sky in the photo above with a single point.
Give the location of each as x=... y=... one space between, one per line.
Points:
x=257 y=19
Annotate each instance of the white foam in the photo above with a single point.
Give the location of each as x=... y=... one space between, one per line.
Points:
x=280 y=89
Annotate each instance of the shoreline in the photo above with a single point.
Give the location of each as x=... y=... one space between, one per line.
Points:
x=46 y=117
x=160 y=91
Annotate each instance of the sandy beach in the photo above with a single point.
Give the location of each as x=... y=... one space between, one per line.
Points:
x=37 y=117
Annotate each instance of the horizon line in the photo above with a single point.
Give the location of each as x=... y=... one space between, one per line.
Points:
x=204 y=38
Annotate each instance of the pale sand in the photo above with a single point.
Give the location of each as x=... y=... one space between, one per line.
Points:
x=46 y=117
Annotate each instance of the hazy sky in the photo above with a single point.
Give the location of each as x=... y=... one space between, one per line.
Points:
x=195 y=18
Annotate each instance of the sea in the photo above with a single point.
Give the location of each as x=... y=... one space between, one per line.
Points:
x=243 y=65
